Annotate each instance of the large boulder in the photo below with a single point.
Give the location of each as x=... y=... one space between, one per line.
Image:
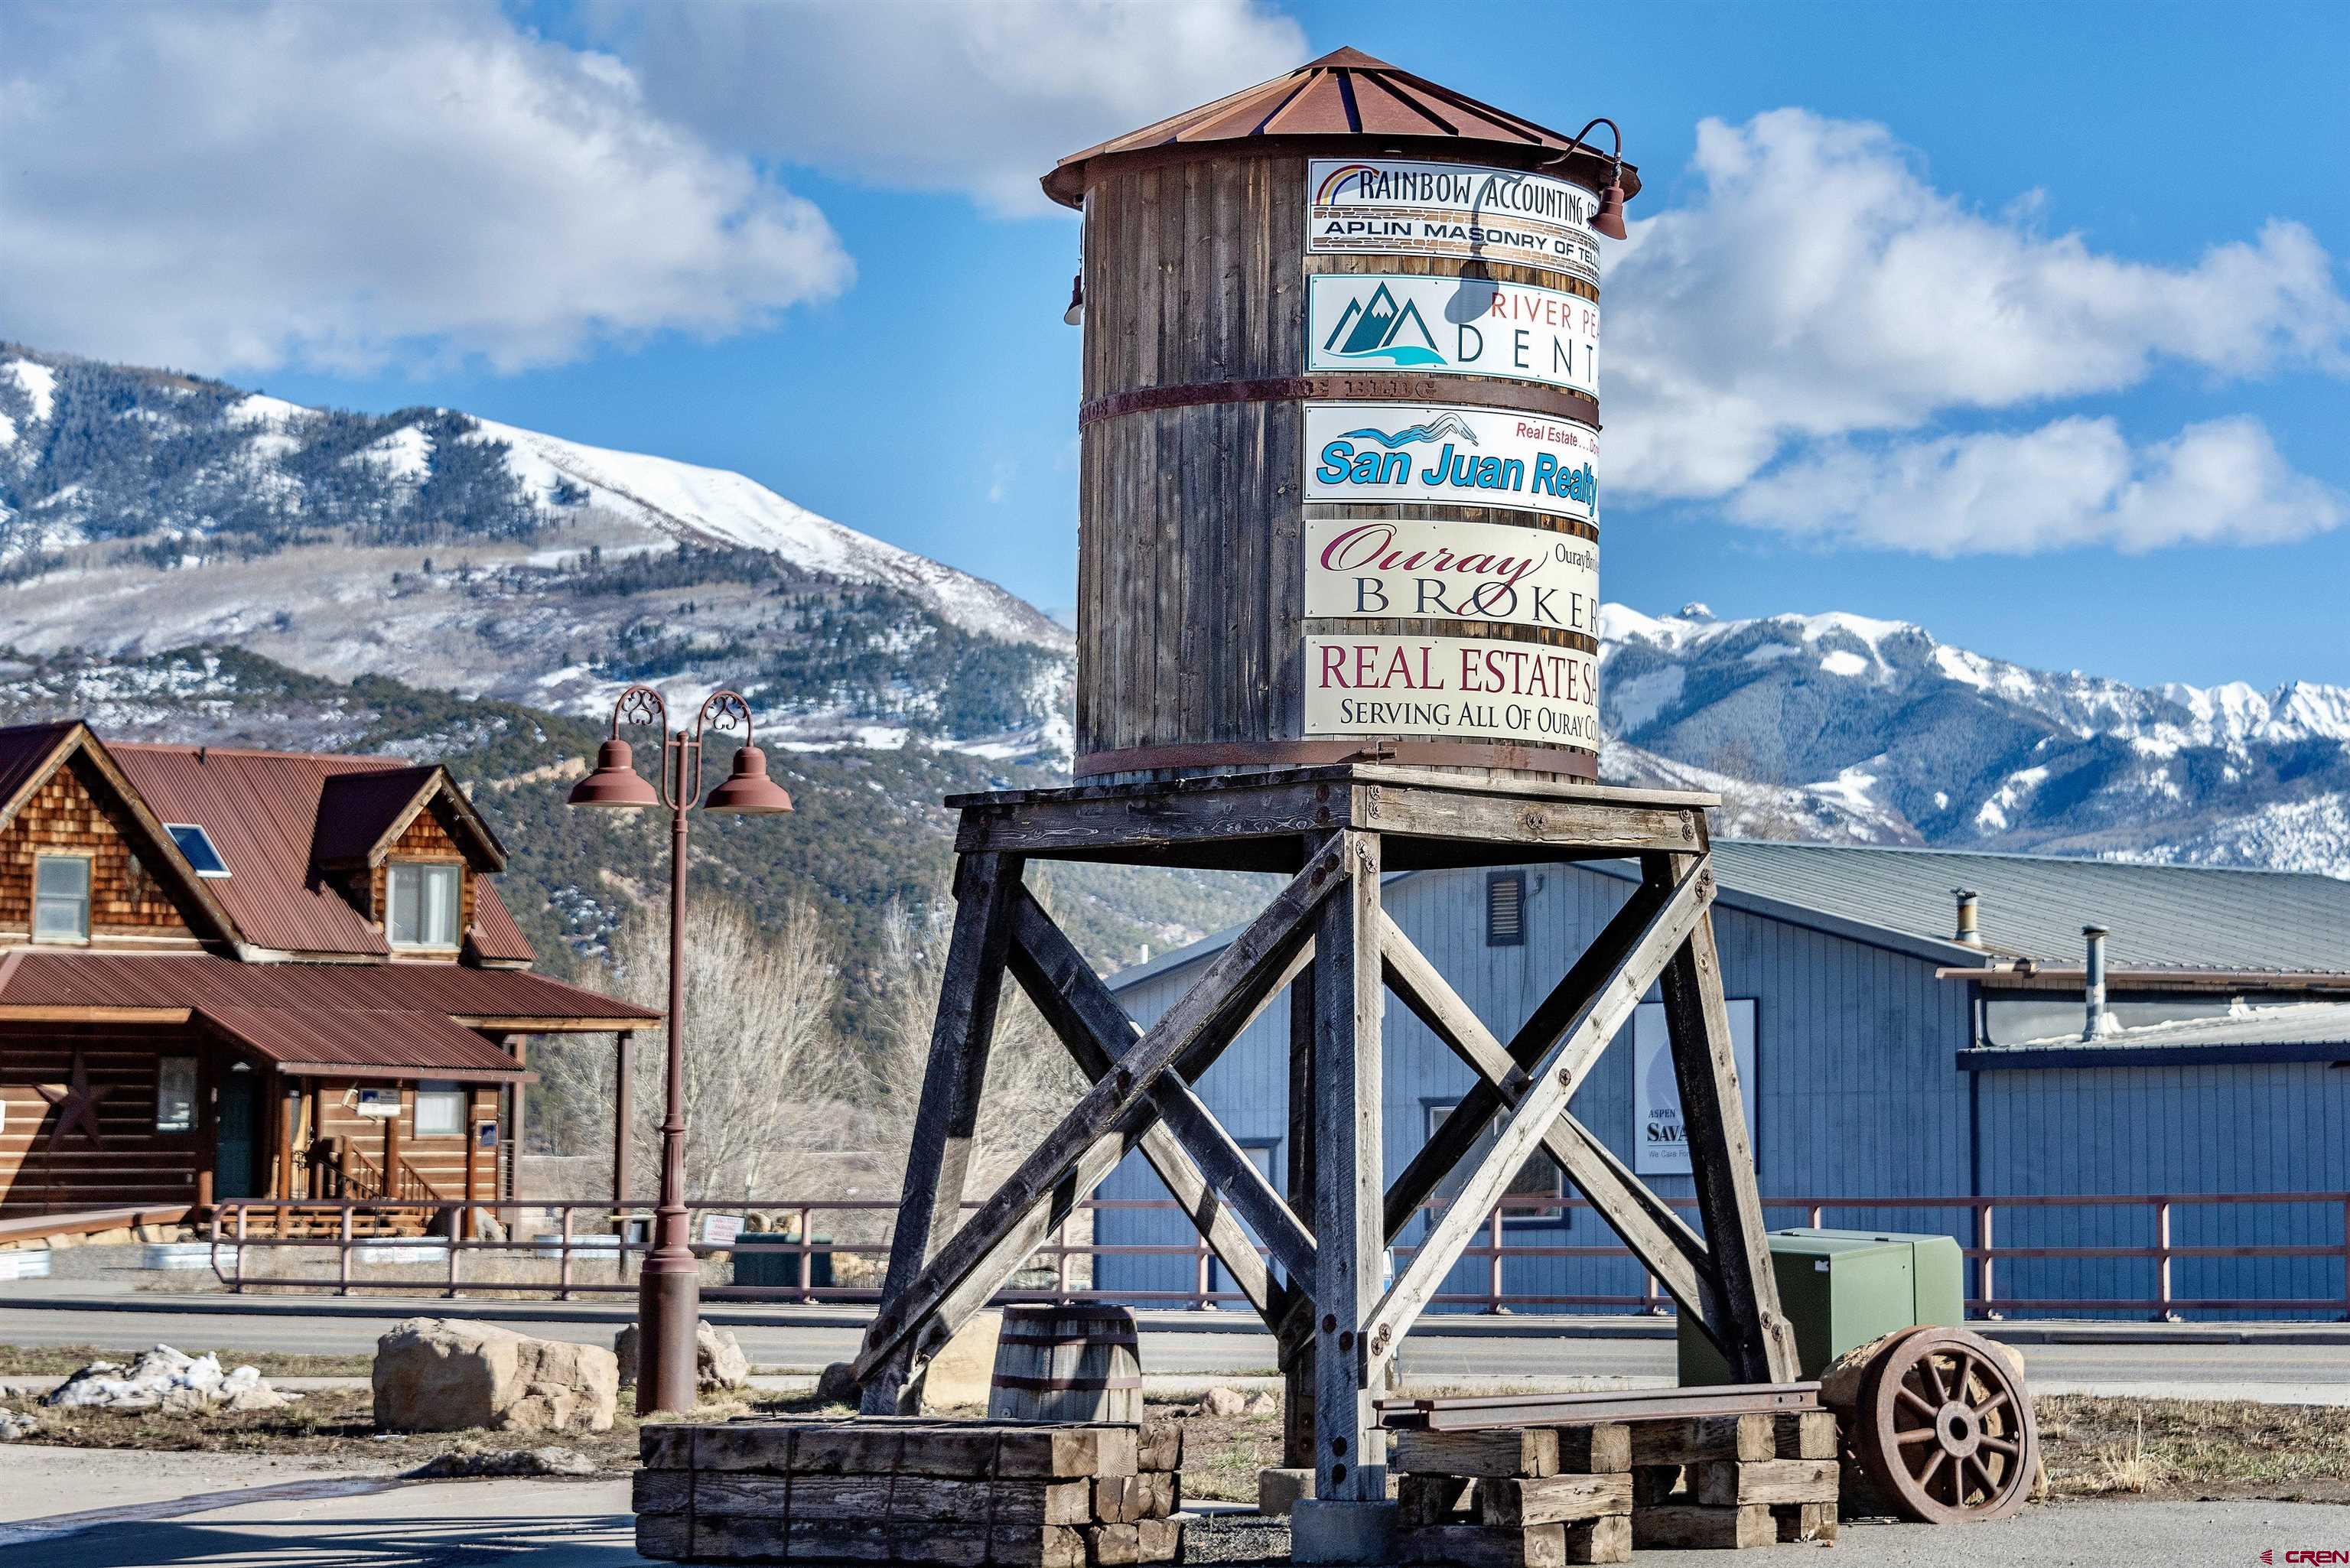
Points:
x=445 y=1375
x=719 y=1364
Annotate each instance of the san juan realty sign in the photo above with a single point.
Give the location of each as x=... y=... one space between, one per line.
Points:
x=1386 y=206
x=1453 y=326
x=1381 y=453
x=1443 y=570
x=1465 y=687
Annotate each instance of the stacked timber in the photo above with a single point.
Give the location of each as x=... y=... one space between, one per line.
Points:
x=959 y=1494
x=1516 y=1497
x=1734 y=1481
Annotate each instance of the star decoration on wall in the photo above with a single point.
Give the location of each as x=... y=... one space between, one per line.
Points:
x=76 y=1104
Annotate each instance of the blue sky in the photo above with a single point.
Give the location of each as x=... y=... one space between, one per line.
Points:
x=2052 y=354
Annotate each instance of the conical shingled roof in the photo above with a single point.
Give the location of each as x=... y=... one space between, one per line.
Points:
x=1345 y=94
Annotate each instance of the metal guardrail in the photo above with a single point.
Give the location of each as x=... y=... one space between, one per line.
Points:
x=234 y=1227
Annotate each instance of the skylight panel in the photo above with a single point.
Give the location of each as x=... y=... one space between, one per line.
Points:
x=197 y=845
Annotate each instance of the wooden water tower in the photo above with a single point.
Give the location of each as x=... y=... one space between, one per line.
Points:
x=1337 y=602
x=1339 y=493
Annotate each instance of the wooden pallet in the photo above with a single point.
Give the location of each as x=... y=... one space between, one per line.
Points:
x=959 y=1494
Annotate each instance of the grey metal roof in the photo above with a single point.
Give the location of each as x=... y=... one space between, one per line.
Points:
x=2302 y=1032
x=2033 y=906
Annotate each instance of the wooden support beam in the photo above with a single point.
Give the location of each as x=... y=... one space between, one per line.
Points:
x=1201 y=1023
x=1293 y=1336
x=1096 y=1030
x=1349 y=1446
x=1760 y=1343
x=947 y=1117
x=1548 y=1085
x=1671 y=1250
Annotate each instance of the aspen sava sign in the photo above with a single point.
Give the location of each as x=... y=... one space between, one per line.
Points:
x=1434 y=569
x=1466 y=688
x=1388 y=206
x=1380 y=453
x=1453 y=326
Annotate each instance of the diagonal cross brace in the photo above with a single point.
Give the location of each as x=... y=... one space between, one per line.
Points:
x=1200 y=1025
x=1549 y=1083
x=1201 y=1166
x=1662 y=1241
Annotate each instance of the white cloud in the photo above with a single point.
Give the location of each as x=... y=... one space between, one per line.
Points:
x=979 y=97
x=2070 y=483
x=346 y=186
x=1817 y=288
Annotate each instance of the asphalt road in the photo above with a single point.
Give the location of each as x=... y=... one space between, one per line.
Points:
x=1464 y=1355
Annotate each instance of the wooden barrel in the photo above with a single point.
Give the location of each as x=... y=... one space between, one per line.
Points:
x=1337 y=480
x=1066 y=1364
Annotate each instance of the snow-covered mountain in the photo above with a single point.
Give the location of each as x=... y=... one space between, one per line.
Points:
x=143 y=510
x=1874 y=730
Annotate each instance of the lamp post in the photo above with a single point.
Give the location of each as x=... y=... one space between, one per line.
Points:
x=669 y=1290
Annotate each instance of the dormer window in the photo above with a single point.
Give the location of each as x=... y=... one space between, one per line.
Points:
x=421 y=904
x=61 y=898
x=197 y=845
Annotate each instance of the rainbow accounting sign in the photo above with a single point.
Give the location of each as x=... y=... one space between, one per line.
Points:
x=1465 y=211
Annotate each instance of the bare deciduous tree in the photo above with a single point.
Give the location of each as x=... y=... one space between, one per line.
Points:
x=764 y=1065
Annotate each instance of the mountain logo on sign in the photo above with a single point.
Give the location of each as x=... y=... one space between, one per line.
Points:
x=1443 y=426
x=1380 y=329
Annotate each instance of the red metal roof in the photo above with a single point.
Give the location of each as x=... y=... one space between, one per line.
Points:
x=494 y=936
x=353 y=1044
x=25 y=750
x=1345 y=94
x=356 y=808
x=506 y=998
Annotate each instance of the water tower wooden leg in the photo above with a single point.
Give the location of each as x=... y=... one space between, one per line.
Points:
x=1349 y=1183
x=1755 y=1336
x=1296 y=1344
x=947 y=1117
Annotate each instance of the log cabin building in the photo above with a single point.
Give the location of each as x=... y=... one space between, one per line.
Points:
x=231 y=973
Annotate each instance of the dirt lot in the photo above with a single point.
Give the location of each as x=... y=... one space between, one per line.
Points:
x=2173 y=1450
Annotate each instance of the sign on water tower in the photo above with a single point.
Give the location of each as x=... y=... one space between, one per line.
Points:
x=1340 y=478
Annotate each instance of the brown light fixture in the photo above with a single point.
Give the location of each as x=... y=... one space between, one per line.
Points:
x=748 y=791
x=669 y=1296
x=1075 y=315
x=1609 y=219
x=615 y=782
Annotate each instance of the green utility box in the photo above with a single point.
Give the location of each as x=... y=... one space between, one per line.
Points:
x=1843 y=1288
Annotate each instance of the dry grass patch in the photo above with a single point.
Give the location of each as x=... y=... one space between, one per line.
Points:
x=2174 y=1448
x=62 y=1360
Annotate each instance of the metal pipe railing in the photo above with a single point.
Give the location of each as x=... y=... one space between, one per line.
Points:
x=260 y=1226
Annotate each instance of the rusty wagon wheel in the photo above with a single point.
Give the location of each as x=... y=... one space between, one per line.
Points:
x=1945 y=1428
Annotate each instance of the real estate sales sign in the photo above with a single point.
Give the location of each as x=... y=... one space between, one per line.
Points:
x=1373 y=683
x=1386 y=206
x=1381 y=453
x=1453 y=326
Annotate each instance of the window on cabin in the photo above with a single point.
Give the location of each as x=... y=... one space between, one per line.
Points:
x=440 y=1109
x=197 y=845
x=422 y=899
x=1505 y=909
x=61 y=897
x=175 y=1094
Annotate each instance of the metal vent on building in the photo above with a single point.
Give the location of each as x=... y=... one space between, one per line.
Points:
x=1505 y=909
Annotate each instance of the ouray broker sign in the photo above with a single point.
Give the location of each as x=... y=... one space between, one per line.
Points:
x=1380 y=453
x=1438 y=569
x=1392 y=207
x=1453 y=326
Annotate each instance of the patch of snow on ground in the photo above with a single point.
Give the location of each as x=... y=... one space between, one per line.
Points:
x=259 y=408
x=405 y=454
x=1849 y=789
x=7 y=432
x=39 y=384
x=1843 y=662
x=1992 y=815
x=1635 y=702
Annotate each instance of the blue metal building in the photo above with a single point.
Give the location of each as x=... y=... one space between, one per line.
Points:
x=1884 y=1057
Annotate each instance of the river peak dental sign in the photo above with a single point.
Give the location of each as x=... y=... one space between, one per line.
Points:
x=1383 y=453
x=1453 y=326
x=1384 y=206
